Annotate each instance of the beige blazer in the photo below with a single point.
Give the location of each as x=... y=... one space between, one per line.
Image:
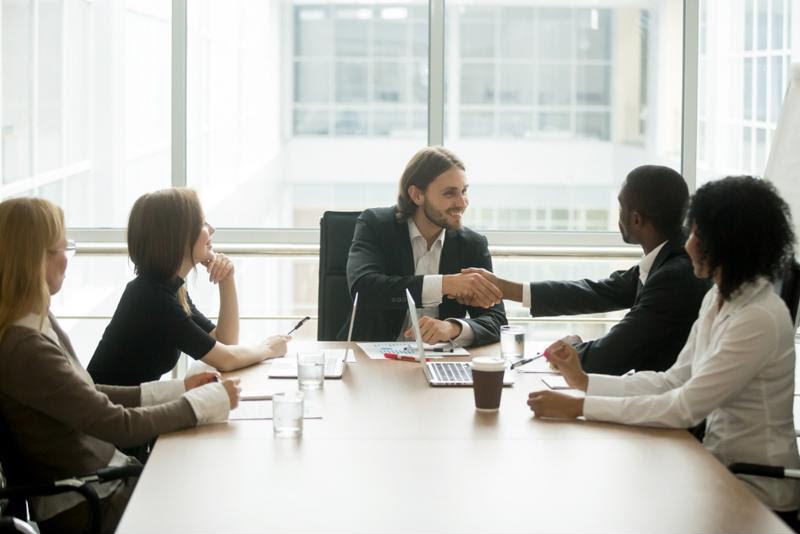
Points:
x=61 y=421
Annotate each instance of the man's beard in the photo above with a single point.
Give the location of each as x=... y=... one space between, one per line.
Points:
x=439 y=218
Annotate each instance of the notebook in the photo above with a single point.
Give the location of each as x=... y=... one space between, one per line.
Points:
x=335 y=359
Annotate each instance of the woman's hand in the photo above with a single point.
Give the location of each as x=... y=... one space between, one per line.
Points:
x=220 y=268
x=564 y=358
x=234 y=390
x=200 y=379
x=553 y=404
x=275 y=346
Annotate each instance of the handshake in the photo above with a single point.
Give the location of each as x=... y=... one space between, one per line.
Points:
x=473 y=287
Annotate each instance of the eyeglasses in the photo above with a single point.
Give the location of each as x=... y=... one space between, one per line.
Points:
x=69 y=249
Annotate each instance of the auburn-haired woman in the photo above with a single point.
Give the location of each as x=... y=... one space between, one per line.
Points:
x=60 y=421
x=737 y=367
x=155 y=319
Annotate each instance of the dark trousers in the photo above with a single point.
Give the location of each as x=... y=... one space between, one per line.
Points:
x=790 y=518
x=77 y=518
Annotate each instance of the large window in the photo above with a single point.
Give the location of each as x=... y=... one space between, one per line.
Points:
x=299 y=107
x=744 y=63
x=551 y=104
x=85 y=104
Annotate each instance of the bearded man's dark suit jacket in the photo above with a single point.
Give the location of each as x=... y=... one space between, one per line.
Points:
x=380 y=267
x=654 y=330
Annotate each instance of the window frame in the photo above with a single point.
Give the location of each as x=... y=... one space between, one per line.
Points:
x=106 y=239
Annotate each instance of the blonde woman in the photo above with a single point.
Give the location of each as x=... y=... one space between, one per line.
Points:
x=62 y=423
x=155 y=319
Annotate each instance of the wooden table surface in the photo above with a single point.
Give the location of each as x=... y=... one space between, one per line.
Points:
x=392 y=454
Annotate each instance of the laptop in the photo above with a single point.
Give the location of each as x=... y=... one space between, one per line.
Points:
x=444 y=373
x=335 y=359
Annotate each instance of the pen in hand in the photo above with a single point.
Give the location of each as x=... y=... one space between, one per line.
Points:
x=523 y=362
x=298 y=325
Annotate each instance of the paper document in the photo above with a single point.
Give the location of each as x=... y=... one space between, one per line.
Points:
x=287 y=367
x=263 y=410
x=255 y=395
x=375 y=351
x=539 y=365
x=555 y=382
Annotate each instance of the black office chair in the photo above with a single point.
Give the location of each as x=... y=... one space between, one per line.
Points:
x=334 y=302
x=789 y=289
x=16 y=488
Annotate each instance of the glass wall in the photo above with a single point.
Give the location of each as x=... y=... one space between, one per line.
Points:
x=299 y=107
x=744 y=63
x=85 y=104
x=552 y=104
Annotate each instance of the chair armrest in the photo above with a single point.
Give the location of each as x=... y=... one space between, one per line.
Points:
x=771 y=471
x=107 y=474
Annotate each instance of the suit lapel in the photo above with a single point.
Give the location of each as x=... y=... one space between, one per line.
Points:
x=670 y=248
x=406 y=254
x=450 y=260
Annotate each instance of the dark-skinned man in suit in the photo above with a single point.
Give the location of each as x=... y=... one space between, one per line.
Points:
x=661 y=293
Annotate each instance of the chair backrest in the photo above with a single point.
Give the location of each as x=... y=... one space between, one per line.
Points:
x=790 y=290
x=334 y=302
x=12 y=470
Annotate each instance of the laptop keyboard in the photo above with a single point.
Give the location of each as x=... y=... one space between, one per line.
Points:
x=454 y=372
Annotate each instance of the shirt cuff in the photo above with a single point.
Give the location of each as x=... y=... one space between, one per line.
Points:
x=603 y=409
x=466 y=337
x=431 y=290
x=526 y=295
x=210 y=403
x=605 y=386
x=161 y=391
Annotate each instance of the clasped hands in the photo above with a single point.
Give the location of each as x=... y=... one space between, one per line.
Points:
x=472 y=287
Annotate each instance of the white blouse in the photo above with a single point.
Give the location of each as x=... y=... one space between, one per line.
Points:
x=736 y=371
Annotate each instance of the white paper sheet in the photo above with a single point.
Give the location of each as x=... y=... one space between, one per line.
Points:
x=375 y=351
x=555 y=382
x=262 y=409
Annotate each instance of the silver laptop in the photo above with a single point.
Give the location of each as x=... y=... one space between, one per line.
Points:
x=334 y=361
x=445 y=373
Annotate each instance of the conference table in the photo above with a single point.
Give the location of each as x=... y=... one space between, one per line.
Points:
x=393 y=454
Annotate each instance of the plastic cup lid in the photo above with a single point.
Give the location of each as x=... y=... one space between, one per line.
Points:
x=488 y=363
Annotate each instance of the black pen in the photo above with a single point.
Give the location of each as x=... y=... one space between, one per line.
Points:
x=523 y=362
x=298 y=325
x=450 y=348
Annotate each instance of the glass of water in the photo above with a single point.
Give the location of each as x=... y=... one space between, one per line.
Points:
x=512 y=342
x=287 y=414
x=310 y=369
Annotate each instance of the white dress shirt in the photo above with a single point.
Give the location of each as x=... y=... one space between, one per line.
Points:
x=737 y=371
x=426 y=263
x=645 y=264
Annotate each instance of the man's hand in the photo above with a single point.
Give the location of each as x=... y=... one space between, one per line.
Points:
x=435 y=330
x=553 y=404
x=564 y=358
x=275 y=346
x=508 y=290
x=200 y=379
x=472 y=289
x=220 y=268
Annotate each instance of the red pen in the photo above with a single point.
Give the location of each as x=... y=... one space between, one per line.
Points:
x=393 y=356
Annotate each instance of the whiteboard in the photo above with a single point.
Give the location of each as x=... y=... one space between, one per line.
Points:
x=783 y=163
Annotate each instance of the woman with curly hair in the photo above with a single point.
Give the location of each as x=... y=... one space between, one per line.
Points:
x=737 y=367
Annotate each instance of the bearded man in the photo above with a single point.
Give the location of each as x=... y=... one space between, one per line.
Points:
x=420 y=245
